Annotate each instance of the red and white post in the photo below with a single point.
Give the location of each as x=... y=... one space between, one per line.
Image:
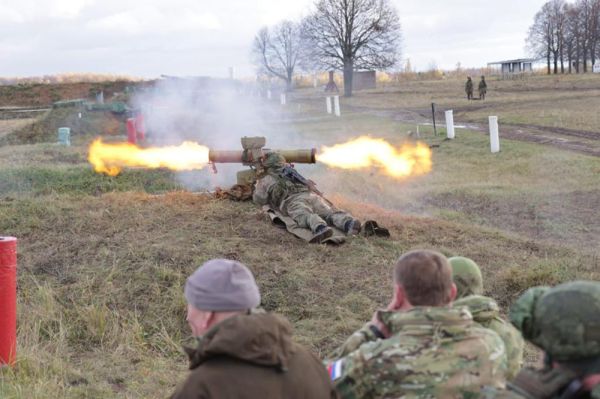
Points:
x=8 y=300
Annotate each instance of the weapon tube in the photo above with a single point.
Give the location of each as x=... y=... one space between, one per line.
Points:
x=292 y=156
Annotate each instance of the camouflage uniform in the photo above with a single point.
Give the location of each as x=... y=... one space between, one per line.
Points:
x=469 y=88
x=482 y=88
x=295 y=200
x=564 y=321
x=486 y=312
x=469 y=283
x=432 y=352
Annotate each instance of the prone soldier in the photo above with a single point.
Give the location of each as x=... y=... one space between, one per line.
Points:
x=282 y=188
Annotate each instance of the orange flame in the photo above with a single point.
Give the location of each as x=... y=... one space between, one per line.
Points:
x=364 y=152
x=112 y=158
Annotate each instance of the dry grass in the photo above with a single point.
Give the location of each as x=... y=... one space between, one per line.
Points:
x=102 y=261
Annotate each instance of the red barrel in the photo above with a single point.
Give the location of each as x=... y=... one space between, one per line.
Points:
x=140 y=127
x=131 y=133
x=8 y=300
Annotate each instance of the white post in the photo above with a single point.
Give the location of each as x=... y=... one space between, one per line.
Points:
x=450 y=124
x=494 y=136
x=283 y=102
x=328 y=103
x=336 y=105
x=418 y=134
x=268 y=94
x=315 y=81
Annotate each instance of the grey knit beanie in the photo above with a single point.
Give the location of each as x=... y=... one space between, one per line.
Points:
x=222 y=285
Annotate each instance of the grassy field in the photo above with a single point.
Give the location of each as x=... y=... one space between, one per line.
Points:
x=102 y=261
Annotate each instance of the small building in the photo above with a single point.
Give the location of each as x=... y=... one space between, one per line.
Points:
x=364 y=80
x=509 y=67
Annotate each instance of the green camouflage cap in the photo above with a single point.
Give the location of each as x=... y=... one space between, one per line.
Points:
x=466 y=276
x=564 y=321
x=274 y=160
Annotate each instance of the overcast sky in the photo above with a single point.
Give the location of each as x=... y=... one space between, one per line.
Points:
x=148 y=38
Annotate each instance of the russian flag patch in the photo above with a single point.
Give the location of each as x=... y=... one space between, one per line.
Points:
x=335 y=370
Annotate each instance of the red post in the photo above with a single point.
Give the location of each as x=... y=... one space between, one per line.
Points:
x=8 y=300
x=131 y=133
x=140 y=127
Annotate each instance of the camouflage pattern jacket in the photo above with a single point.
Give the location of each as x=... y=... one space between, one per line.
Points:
x=272 y=189
x=486 y=312
x=432 y=352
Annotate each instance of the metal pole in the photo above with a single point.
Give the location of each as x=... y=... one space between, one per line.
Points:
x=433 y=115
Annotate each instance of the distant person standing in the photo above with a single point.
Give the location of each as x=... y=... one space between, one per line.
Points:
x=482 y=88
x=469 y=88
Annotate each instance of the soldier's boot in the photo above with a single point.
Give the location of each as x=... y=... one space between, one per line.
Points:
x=322 y=232
x=352 y=227
x=373 y=229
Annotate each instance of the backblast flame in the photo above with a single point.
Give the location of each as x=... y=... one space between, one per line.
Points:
x=111 y=158
x=365 y=152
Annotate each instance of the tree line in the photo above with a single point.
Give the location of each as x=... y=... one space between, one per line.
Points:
x=566 y=35
x=346 y=35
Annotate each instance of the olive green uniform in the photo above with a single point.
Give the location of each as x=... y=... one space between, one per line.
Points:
x=482 y=88
x=469 y=89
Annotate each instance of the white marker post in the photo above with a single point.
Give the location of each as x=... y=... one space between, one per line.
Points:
x=336 y=105
x=449 y=124
x=268 y=94
x=494 y=136
x=283 y=99
x=328 y=103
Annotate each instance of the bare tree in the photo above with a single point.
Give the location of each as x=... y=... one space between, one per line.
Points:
x=538 y=37
x=276 y=52
x=353 y=34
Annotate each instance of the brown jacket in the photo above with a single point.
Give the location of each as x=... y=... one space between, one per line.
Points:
x=253 y=356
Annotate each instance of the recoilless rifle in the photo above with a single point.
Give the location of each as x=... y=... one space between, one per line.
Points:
x=253 y=154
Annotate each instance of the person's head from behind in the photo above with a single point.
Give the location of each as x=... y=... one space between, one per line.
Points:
x=217 y=290
x=422 y=278
x=564 y=322
x=467 y=276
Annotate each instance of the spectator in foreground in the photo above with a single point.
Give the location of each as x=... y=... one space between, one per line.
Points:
x=242 y=352
x=469 y=283
x=564 y=322
x=420 y=346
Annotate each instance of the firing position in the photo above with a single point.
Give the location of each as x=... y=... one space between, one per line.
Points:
x=280 y=186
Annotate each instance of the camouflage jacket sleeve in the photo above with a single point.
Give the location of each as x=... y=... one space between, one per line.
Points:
x=359 y=337
x=261 y=191
x=349 y=376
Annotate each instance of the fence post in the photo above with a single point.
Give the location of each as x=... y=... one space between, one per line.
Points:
x=494 y=135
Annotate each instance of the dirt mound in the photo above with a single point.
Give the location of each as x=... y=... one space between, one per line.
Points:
x=45 y=128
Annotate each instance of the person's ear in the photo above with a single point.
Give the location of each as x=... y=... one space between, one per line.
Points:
x=208 y=320
x=453 y=292
x=399 y=298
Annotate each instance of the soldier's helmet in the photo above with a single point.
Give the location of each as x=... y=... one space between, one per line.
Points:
x=564 y=321
x=274 y=161
x=466 y=276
